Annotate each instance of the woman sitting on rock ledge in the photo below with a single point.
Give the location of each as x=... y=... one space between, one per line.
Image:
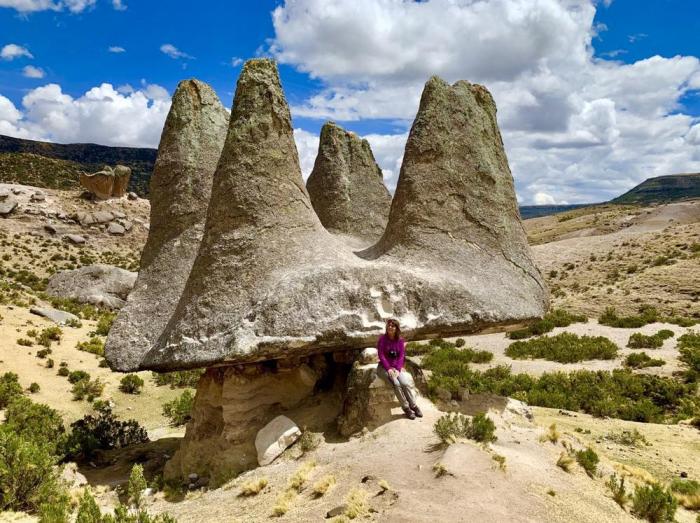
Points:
x=391 y=352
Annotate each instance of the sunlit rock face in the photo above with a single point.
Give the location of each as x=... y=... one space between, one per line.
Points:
x=269 y=281
x=107 y=183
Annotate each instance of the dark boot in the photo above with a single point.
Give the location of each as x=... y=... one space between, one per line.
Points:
x=417 y=411
x=409 y=413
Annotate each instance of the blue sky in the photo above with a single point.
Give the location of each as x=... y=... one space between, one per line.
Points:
x=574 y=80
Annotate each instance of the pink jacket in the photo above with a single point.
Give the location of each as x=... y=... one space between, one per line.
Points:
x=384 y=345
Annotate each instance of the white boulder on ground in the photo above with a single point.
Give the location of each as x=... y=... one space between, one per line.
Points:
x=274 y=438
x=101 y=285
x=56 y=316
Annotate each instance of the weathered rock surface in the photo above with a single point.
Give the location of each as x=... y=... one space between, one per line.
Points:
x=7 y=205
x=368 y=401
x=115 y=228
x=231 y=406
x=180 y=188
x=74 y=238
x=454 y=258
x=55 y=315
x=274 y=438
x=101 y=285
x=346 y=186
x=107 y=183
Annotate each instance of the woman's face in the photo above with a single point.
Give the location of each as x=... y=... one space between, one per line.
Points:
x=391 y=329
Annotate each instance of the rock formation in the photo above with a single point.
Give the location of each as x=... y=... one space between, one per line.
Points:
x=107 y=183
x=346 y=186
x=101 y=285
x=180 y=188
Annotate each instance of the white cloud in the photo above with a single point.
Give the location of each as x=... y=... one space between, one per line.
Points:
x=542 y=198
x=12 y=51
x=174 y=52
x=236 y=61
x=307 y=147
x=31 y=6
x=576 y=127
x=119 y=5
x=30 y=71
x=101 y=115
x=116 y=49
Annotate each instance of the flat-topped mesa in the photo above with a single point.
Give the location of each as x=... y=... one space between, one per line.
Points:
x=270 y=282
x=180 y=189
x=346 y=186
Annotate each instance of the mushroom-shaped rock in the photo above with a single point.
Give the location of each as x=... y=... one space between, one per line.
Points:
x=269 y=281
x=346 y=186
x=180 y=188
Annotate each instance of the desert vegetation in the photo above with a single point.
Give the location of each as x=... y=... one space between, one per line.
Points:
x=564 y=348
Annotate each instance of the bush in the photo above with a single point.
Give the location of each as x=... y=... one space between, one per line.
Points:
x=78 y=375
x=647 y=314
x=49 y=363
x=94 y=346
x=34 y=387
x=179 y=379
x=564 y=348
x=48 y=335
x=451 y=361
x=179 y=410
x=554 y=318
x=105 y=323
x=87 y=389
x=642 y=360
x=88 y=511
x=43 y=353
x=137 y=483
x=686 y=487
x=655 y=341
x=253 y=487
x=631 y=438
x=617 y=488
x=9 y=388
x=35 y=421
x=452 y=426
x=653 y=503
x=24 y=342
x=28 y=478
x=131 y=384
x=588 y=459
x=689 y=348
x=102 y=432
x=459 y=342
x=63 y=371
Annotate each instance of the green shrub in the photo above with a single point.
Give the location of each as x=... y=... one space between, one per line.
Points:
x=686 y=487
x=554 y=318
x=689 y=348
x=631 y=438
x=37 y=422
x=75 y=323
x=654 y=503
x=564 y=348
x=9 y=388
x=49 y=363
x=451 y=361
x=179 y=379
x=88 y=511
x=87 y=389
x=588 y=459
x=105 y=323
x=640 y=360
x=482 y=429
x=78 y=375
x=179 y=410
x=655 y=341
x=452 y=426
x=24 y=342
x=647 y=314
x=617 y=489
x=63 y=371
x=460 y=342
x=48 y=335
x=102 y=432
x=34 y=387
x=131 y=384
x=418 y=349
x=94 y=346
x=43 y=353
x=137 y=483
x=28 y=478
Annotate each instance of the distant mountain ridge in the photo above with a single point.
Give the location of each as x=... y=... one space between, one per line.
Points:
x=57 y=166
x=663 y=189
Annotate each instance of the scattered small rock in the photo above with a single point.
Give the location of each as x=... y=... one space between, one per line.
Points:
x=115 y=228
x=50 y=228
x=38 y=197
x=132 y=196
x=337 y=511
x=684 y=474
x=74 y=238
x=7 y=206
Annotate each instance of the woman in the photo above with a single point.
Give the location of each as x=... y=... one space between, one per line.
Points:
x=391 y=351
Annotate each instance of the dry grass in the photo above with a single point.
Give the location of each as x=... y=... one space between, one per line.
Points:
x=384 y=485
x=284 y=503
x=253 y=487
x=440 y=470
x=323 y=485
x=500 y=460
x=356 y=502
x=689 y=501
x=552 y=434
x=565 y=461
x=301 y=476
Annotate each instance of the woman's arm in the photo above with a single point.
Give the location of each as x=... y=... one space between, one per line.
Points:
x=381 y=355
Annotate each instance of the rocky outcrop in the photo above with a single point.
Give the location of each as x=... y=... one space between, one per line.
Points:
x=346 y=186
x=269 y=281
x=180 y=188
x=101 y=285
x=107 y=183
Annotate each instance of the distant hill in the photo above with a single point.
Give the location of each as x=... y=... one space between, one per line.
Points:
x=663 y=189
x=57 y=166
x=535 y=211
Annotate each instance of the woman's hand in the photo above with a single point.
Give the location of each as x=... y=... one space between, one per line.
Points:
x=393 y=373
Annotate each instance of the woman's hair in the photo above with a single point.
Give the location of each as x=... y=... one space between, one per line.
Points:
x=395 y=323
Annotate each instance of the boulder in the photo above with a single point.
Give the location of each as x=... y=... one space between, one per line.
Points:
x=346 y=186
x=50 y=228
x=369 y=400
x=107 y=183
x=55 y=315
x=117 y=229
x=4 y=193
x=102 y=217
x=189 y=150
x=74 y=238
x=368 y=356
x=454 y=258
x=101 y=285
x=38 y=197
x=274 y=438
x=7 y=205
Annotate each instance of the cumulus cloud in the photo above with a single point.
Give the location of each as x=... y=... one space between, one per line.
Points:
x=30 y=71
x=101 y=115
x=30 y=6
x=118 y=5
x=173 y=52
x=576 y=127
x=12 y=51
x=116 y=49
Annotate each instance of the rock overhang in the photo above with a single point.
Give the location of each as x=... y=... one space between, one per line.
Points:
x=269 y=282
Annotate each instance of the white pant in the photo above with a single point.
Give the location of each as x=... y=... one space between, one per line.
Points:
x=402 y=386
